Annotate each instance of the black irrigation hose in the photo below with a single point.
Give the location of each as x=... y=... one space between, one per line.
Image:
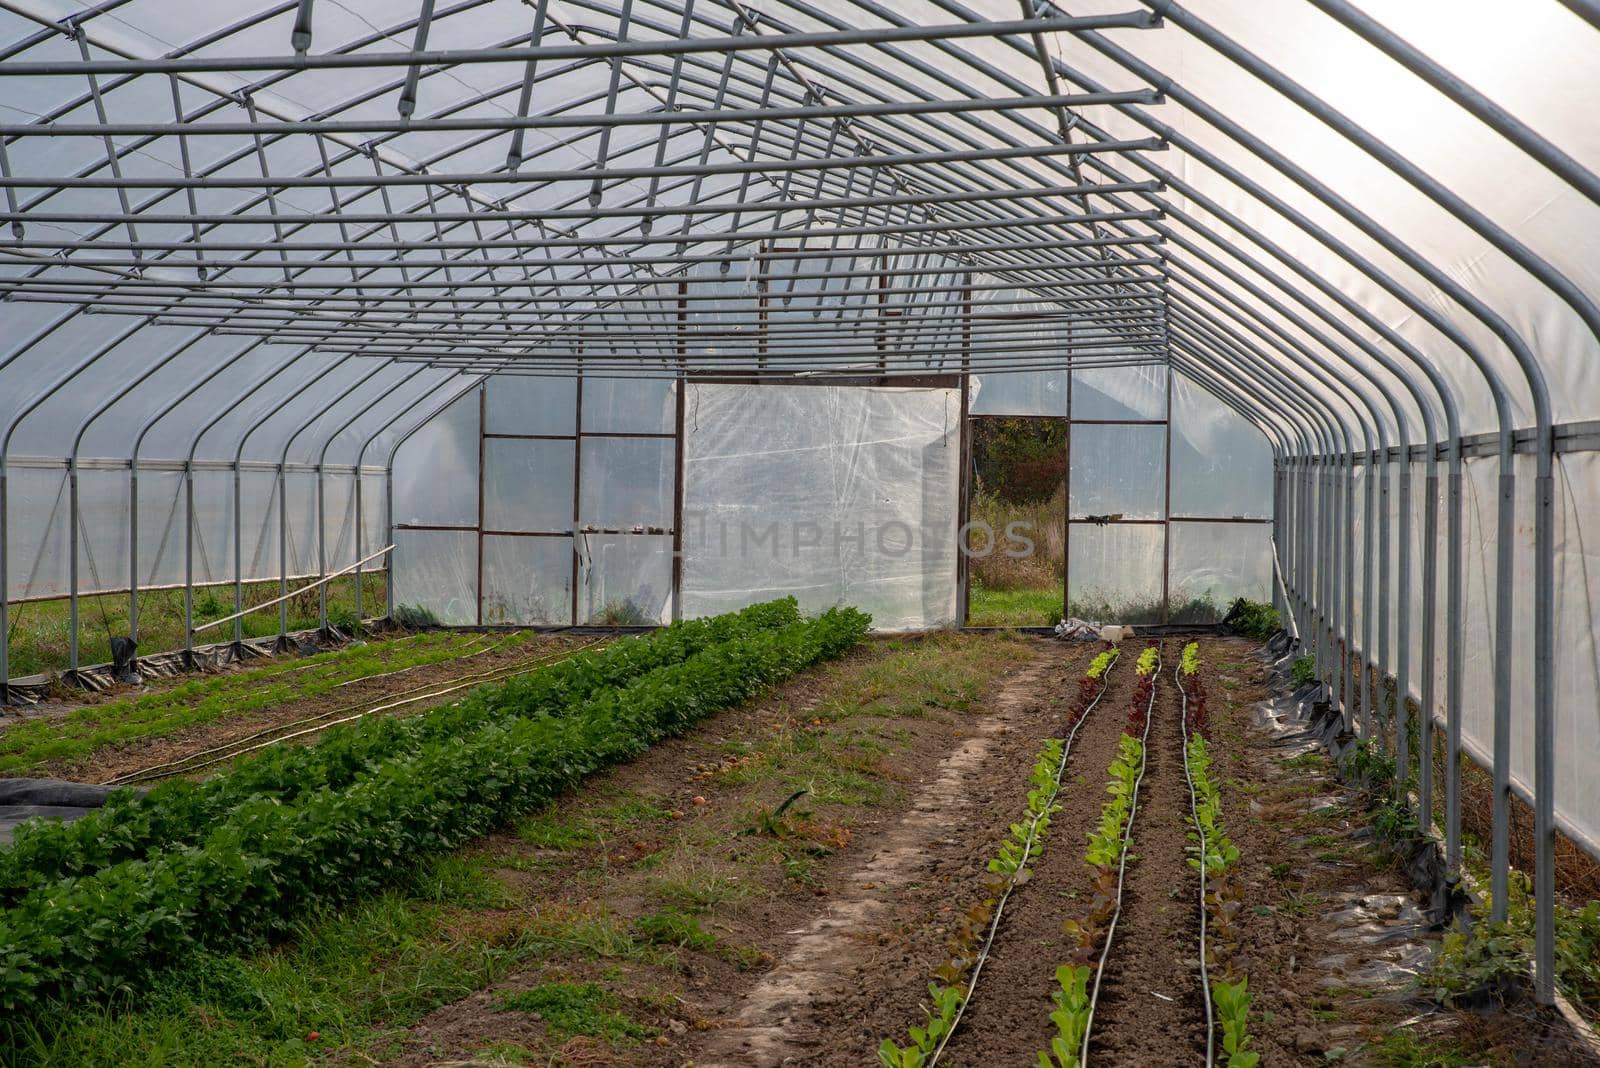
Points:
x=1200 y=833
x=1000 y=906
x=325 y=720
x=1122 y=864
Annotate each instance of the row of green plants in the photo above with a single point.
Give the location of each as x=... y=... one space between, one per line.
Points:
x=1107 y=853
x=1024 y=842
x=1215 y=858
x=181 y=812
x=1009 y=867
x=259 y=869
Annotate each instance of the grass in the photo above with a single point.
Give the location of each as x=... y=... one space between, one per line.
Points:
x=570 y=1009
x=40 y=631
x=1403 y=1048
x=63 y=741
x=1013 y=608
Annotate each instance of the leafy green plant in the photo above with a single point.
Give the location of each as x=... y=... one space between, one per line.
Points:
x=33 y=744
x=1106 y=841
x=1024 y=842
x=256 y=870
x=946 y=1003
x=1071 y=1017
x=1148 y=659
x=1303 y=671
x=1233 y=1010
x=1253 y=619
x=1027 y=838
x=1098 y=665
x=180 y=812
x=1209 y=847
x=1191 y=659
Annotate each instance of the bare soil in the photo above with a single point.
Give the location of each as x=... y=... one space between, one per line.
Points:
x=1151 y=1008
x=1008 y=1018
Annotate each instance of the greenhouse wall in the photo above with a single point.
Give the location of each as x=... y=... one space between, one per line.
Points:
x=605 y=500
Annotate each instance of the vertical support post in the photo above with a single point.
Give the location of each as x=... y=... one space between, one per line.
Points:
x=483 y=451
x=322 y=553
x=72 y=567
x=1505 y=549
x=188 y=563
x=1166 y=504
x=1402 y=673
x=682 y=346
x=283 y=553
x=1544 y=727
x=360 y=546
x=1277 y=527
x=238 y=556
x=5 y=580
x=1453 y=652
x=388 y=526
x=1368 y=613
x=1066 y=513
x=963 y=481
x=577 y=484
x=1430 y=634
x=133 y=547
x=1381 y=675
x=1349 y=574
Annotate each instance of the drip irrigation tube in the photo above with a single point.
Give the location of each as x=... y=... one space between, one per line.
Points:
x=1122 y=863
x=324 y=721
x=1200 y=833
x=1000 y=906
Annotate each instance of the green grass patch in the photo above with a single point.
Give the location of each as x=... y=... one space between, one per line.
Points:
x=1402 y=1047
x=570 y=1009
x=1013 y=608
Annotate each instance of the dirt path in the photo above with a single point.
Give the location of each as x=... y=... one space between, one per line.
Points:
x=766 y=1027
x=1009 y=1016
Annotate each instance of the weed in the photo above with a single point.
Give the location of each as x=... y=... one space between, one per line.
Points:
x=546 y=829
x=1303 y=671
x=415 y=617
x=1253 y=619
x=698 y=886
x=460 y=881
x=570 y=1009
x=670 y=927
x=497 y=1053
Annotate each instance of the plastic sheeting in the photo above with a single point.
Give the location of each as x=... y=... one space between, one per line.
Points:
x=835 y=495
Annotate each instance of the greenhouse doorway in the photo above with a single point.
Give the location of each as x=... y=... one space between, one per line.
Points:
x=1016 y=529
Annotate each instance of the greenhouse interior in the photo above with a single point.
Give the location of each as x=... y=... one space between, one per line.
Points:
x=805 y=532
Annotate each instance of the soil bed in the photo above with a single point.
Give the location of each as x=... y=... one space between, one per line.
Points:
x=1009 y=1017
x=1151 y=1009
